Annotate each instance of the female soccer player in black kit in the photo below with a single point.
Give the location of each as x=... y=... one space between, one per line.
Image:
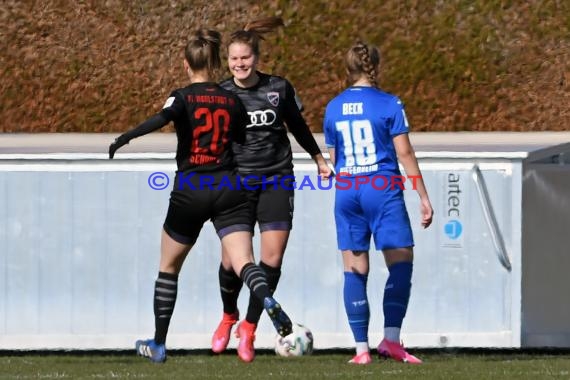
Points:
x=266 y=157
x=207 y=119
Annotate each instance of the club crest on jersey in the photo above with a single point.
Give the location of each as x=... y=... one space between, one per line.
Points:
x=273 y=98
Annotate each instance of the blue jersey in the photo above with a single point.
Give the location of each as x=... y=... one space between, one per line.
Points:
x=359 y=124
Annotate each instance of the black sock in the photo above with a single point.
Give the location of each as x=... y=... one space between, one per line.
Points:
x=230 y=286
x=165 y=291
x=255 y=280
x=255 y=307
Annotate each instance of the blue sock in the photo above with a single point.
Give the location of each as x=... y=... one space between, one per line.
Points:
x=356 y=305
x=397 y=294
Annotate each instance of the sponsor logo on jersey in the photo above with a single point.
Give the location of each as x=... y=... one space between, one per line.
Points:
x=273 y=98
x=168 y=102
x=261 y=118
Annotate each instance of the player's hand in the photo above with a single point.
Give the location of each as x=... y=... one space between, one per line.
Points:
x=427 y=213
x=325 y=172
x=119 y=142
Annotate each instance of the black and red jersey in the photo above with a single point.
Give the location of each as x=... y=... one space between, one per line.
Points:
x=271 y=104
x=207 y=118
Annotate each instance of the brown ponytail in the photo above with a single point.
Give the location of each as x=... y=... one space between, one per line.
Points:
x=203 y=50
x=362 y=59
x=253 y=32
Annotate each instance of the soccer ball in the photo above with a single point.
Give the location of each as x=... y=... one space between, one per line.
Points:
x=298 y=343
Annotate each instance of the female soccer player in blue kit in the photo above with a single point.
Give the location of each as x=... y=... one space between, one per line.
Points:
x=366 y=132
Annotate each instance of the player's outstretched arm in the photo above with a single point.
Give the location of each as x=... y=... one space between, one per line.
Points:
x=152 y=124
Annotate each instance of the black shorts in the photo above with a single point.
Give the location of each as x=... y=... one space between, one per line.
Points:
x=197 y=197
x=272 y=204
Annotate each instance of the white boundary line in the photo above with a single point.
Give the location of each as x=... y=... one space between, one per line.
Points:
x=263 y=341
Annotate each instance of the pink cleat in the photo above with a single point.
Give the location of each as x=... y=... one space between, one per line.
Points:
x=246 y=334
x=363 y=358
x=221 y=336
x=396 y=351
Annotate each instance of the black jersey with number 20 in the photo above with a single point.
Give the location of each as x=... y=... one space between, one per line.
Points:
x=207 y=118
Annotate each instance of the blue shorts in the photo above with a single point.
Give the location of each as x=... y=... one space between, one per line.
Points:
x=366 y=212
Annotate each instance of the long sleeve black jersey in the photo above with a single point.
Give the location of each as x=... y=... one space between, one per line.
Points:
x=270 y=104
x=207 y=119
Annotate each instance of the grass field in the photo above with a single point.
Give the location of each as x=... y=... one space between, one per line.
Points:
x=322 y=365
